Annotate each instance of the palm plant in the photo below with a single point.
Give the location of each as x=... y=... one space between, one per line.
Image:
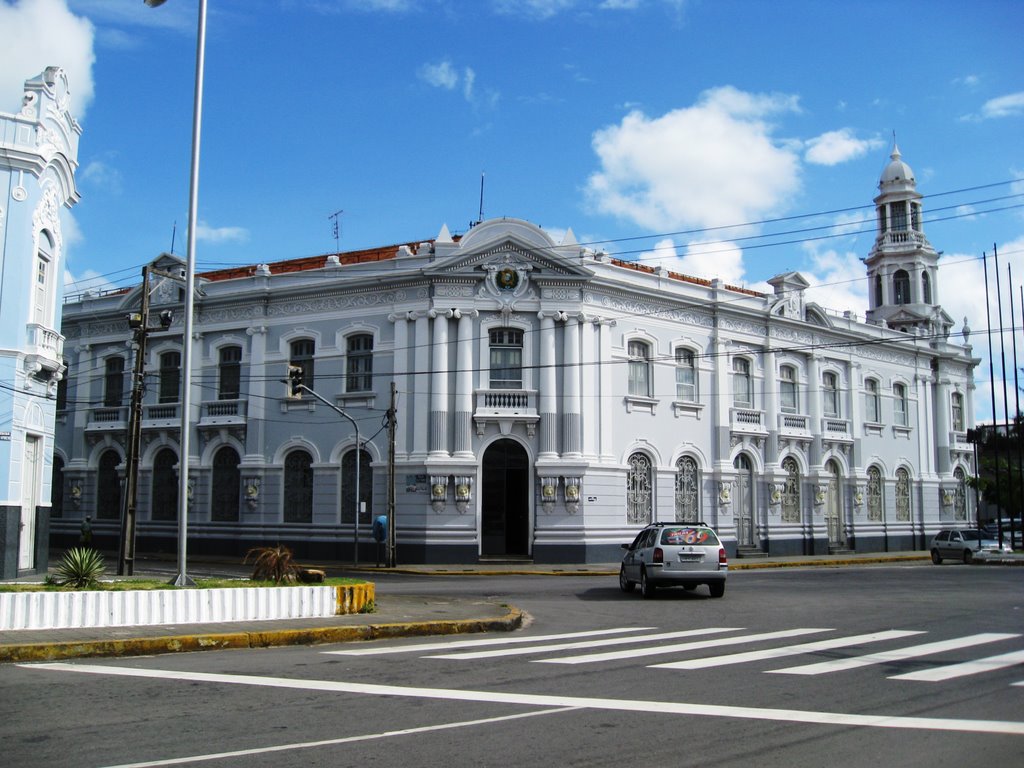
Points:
x=80 y=567
x=272 y=564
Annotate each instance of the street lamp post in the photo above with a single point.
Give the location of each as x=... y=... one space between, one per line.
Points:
x=182 y=579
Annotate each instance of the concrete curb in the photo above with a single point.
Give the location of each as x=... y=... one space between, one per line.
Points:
x=513 y=619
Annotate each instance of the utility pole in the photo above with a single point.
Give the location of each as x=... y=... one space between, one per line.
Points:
x=391 y=480
x=139 y=323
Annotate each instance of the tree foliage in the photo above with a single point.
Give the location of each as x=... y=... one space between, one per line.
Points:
x=999 y=456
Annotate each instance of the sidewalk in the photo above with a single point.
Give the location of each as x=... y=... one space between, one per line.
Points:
x=394 y=615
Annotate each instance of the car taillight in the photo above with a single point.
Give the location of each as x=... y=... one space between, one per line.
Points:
x=659 y=555
x=722 y=559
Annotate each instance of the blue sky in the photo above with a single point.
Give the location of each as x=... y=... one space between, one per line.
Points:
x=652 y=128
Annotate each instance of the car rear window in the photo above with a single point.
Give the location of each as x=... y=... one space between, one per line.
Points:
x=698 y=535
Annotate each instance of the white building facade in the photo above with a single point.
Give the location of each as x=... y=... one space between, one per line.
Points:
x=549 y=401
x=38 y=158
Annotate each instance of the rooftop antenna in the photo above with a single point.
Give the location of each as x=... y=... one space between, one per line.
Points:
x=174 y=231
x=337 y=229
x=480 y=215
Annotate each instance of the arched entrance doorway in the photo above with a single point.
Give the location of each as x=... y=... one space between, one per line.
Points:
x=744 y=501
x=505 y=500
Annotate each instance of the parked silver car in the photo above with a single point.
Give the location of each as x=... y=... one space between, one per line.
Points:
x=674 y=554
x=965 y=544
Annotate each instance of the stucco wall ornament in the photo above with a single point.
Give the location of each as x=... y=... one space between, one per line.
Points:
x=252 y=492
x=463 y=493
x=572 y=494
x=819 y=495
x=506 y=280
x=438 y=492
x=724 y=494
x=774 y=494
x=548 y=493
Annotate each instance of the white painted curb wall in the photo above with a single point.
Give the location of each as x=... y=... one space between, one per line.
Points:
x=64 y=610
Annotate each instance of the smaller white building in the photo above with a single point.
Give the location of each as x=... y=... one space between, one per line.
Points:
x=550 y=400
x=38 y=157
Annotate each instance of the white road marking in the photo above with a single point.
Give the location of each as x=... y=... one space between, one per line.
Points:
x=679 y=647
x=898 y=654
x=788 y=650
x=951 y=671
x=375 y=651
x=541 y=700
x=584 y=644
x=333 y=742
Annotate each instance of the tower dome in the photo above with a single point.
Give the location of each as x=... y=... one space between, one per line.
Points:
x=897 y=174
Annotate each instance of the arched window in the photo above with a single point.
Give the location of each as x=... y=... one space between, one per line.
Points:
x=791 y=491
x=830 y=394
x=227 y=485
x=872 y=404
x=302 y=352
x=899 y=405
x=165 y=486
x=960 y=494
x=639 y=481
x=926 y=288
x=506 y=352
x=113 y=382
x=901 y=287
x=229 y=383
x=789 y=401
x=108 y=487
x=686 y=375
x=742 y=389
x=902 y=495
x=57 y=488
x=687 y=491
x=639 y=368
x=170 y=377
x=298 y=487
x=875 y=500
x=359 y=363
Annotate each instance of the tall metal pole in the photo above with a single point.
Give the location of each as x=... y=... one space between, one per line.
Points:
x=182 y=579
x=392 y=533
x=992 y=387
x=1018 y=424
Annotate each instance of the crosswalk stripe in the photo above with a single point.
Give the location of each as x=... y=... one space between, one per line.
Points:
x=788 y=650
x=898 y=654
x=679 y=647
x=951 y=671
x=585 y=644
x=374 y=651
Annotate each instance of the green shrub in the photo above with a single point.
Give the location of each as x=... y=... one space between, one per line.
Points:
x=272 y=564
x=80 y=567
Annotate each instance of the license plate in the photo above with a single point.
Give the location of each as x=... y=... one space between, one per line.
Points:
x=691 y=557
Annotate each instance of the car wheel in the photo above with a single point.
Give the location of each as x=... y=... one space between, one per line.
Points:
x=936 y=558
x=968 y=556
x=717 y=588
x=624 y=584
x=646 y=587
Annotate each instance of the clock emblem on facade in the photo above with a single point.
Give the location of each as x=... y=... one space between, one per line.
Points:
x=507 y=279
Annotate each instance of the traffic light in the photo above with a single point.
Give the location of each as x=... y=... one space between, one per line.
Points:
x=295 y=376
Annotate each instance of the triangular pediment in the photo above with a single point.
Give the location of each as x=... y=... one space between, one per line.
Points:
x=166 y=282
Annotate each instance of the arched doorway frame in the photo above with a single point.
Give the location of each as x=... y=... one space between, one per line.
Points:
x=526 y=530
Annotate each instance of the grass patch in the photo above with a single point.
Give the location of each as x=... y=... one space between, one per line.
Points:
x=124 y=585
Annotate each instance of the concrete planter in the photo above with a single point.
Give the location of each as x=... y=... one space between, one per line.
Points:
x=63 y=610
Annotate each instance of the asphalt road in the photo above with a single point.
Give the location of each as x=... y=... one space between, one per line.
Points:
x=902 y=687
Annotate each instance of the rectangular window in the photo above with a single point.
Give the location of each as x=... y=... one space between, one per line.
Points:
x=359 y=363
x=639 y=369
x=230 y=379
x=170 y=377
x=788 y=400
x=872 y=406
x=899 y=395
x=506 y=361
x=113 y=382
x=830 y=394
x=957 y=403
x=899 y=215
x=302 y=352
x=686 y=379
x=742 y=392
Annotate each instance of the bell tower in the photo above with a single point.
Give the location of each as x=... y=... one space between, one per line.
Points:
x=903 y=266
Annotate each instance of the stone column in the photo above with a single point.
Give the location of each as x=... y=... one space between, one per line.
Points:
x=548 y=395
x=590 y=399
x=771 y=406
x=464 y=385
x=604 y=376
x=439 y=385
x=400 y=367
x=814 y=394
x=419 y=399
x=256 y=393
x=571 y=443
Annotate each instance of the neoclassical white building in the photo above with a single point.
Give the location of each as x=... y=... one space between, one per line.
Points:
x=549 y=401
x=38 y=159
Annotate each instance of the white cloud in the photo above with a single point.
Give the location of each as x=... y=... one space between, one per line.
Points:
x=712 y=164
x=836 y=280
x=705 y=259
x=539 y=9
x=221 y=234
x=468 y=78
x=102 y=175
x=38 y=34
x=836 y=147
x=1010 y=105
x=440 y=75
